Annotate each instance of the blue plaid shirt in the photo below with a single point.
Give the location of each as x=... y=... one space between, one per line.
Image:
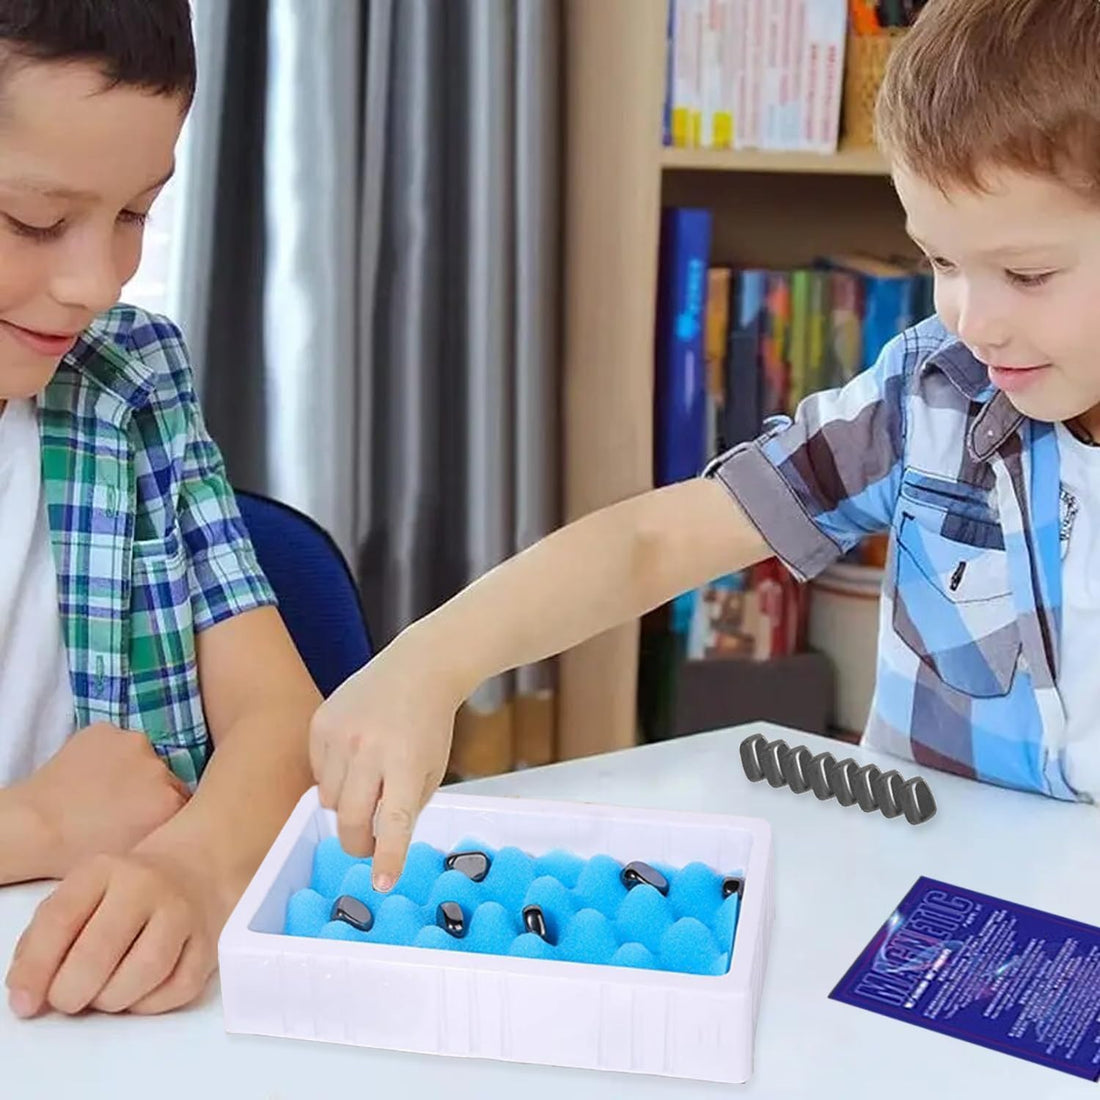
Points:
x=923 y=446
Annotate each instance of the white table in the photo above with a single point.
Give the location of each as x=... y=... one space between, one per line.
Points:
x=839 y=874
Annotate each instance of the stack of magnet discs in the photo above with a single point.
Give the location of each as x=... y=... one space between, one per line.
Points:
x=845 y=780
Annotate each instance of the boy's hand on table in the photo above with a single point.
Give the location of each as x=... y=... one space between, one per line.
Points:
x=104 y=791
x=137 y=933
x=380 y=745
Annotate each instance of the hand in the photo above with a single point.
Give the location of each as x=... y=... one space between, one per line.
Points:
x=379 y=745
x=104 y=791
x=137 y=932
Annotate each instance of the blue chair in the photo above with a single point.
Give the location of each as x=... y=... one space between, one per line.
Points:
x=317 y=594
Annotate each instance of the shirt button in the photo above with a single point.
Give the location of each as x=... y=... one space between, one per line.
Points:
x=99 y=682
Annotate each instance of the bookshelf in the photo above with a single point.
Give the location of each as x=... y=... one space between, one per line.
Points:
x=769 y=209
x=844 y=162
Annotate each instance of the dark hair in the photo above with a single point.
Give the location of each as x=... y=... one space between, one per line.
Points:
x=144 y=43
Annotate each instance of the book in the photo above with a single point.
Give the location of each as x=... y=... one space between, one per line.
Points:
x=680 y=370
x=744 y=377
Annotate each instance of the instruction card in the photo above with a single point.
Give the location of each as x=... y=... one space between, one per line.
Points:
x=1005 y=976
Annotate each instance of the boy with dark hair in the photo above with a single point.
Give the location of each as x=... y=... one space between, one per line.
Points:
x=137 y=631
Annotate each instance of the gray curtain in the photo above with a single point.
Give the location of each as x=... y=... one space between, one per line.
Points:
x=370 y=278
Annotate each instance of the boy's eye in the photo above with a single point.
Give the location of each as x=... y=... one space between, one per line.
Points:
x=133 y=217
x=940 y=264
x=1029 y=279
x=36 y=232
x=44 y=233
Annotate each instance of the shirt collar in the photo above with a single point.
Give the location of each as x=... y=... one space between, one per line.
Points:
x=103 y=356
x=997 y=419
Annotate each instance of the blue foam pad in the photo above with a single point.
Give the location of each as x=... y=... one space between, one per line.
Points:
x=357 y=882
x=725 y=924
x=589 y=938
x=307 y=913
x=455 y=886
x=511 y=873
x=695 y=892
x=396 y=921
x=341 y=930
x=431 y=935
x=689 y=947
x=492 y=930
x=644 y=917
x=423 y=866
x=636 y=955
x=330 y=864
x=530 y=946
x=562 y=865
x=600 y=887
x=590 y=915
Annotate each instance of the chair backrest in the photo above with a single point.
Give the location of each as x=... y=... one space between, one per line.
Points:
x=317 y=594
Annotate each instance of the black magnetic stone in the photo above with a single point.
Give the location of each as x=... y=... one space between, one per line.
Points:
x=887 y=791
x=772 y=759
x=751 y=749
x=916 y=801
x=634 y=874
x=863 y=787
x=841 y=775
x=732 y=885
x=534 y=921
x=474 y=865
x=352 y=911
x=817 y=771
x=450 y=918
x=795 y=765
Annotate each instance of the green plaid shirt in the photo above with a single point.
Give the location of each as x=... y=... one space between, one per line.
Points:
x=148 y=543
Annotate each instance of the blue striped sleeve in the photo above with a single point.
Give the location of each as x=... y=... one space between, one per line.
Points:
x=817 y=484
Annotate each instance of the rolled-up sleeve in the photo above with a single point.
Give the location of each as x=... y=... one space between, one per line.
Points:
x=817 y=484
x=224 y=574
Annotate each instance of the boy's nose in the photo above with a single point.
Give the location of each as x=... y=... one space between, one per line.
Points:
x=92 y=289
x=87 y=276
x=983 y=331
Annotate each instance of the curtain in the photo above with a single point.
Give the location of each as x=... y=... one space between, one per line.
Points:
x=369 y=282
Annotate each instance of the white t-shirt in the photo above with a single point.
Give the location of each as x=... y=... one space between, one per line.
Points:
x=36 y=700
x=1079 y=678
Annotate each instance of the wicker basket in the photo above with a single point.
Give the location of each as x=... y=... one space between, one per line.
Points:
x=864 y=66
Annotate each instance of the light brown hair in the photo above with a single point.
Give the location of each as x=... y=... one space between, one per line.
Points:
x=1012 y=84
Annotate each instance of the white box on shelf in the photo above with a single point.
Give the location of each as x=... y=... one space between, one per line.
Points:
x=539 y=1011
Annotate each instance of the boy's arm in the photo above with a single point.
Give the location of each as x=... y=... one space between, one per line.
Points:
x=390 y=725
x=26 y=844
x=259 y=699
x=601 y=571
x=139 y=932
x=812 y=487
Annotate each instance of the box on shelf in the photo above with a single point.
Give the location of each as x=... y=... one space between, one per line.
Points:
x=864 y=68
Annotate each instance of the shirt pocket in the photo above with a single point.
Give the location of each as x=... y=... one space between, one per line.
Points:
x=953 y=606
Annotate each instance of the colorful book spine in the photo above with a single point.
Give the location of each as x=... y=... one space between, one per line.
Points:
x=687 y=73
x=680 y=378
x=776 y=344
x=744 y=376
x=716 y=340
x=825 y=32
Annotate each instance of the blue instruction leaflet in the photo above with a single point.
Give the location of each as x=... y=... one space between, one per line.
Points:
x=1004 y=976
